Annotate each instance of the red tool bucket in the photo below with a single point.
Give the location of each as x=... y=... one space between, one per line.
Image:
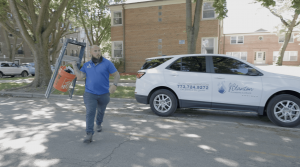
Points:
x=63 y=80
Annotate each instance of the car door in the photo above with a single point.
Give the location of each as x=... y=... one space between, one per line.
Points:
x=5 y=68
x=189 y=78
x=15 y=69
x=236 y=85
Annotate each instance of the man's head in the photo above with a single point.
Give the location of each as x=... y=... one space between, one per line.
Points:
x=96 y=52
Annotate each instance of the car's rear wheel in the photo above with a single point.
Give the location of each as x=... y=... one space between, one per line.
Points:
x=24 y=74
x=1 y=75
x=284 y=110
x=163 y=102
x=33 y=75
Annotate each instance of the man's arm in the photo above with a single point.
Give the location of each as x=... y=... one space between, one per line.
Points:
x=79 y=74
x=116 y=76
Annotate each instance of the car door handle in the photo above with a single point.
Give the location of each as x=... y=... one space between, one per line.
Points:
x=220 y=78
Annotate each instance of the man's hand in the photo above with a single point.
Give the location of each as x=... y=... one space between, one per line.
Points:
x=74 y=63
x=112 y=89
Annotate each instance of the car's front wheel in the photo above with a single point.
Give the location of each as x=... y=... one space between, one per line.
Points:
x=24 y=74
x=284 y=110
x=163 y=102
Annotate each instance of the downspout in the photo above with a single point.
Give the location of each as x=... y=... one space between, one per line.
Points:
x=124 y=64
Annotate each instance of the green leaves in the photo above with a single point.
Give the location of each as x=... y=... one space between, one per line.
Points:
x=220 y=8
x=267 y=3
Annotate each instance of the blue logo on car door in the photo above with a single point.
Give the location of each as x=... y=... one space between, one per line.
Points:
x=222 y=88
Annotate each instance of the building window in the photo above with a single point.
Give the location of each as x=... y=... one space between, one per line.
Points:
x=159 y=46
x=240 y=55
x=160 y=7
x=20 y=49
x=281 y=38
x=181 y=41
x=117 y=49
x=159 y=13
x=117 y=18
x=208 y=45
x=159 y=19
x=236 y=39
x=159 y=40
x=288 y=56
x=208 y=10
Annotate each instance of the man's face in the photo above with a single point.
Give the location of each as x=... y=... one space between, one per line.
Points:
x=96 y=52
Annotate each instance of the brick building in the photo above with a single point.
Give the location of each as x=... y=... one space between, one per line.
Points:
x=23 y=54
x=158 y=27
x=261 y=47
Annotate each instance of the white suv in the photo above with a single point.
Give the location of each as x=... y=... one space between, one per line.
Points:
x=12 y=69
x=217 y=82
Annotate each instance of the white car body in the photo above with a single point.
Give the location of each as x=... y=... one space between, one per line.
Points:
x=12 y=69
x=221 y=91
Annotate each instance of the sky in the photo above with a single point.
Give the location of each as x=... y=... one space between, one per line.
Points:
x=244 y=17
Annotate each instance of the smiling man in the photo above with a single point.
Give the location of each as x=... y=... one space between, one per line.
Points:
x=97 y=89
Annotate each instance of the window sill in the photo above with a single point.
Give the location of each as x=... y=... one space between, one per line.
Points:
x=208 y=19
x=117 y=25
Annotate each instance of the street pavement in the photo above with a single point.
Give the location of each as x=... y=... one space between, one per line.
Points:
x=44 y=133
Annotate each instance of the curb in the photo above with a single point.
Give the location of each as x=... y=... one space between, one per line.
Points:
x=38 y=95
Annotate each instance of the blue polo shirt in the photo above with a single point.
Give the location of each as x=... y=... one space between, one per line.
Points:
x=97 y=76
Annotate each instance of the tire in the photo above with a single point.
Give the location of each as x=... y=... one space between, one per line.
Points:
x=24 y=74
x=284 y=110
x=12 y=76
x=33 y=75
x=1 y=75
x=163 y=109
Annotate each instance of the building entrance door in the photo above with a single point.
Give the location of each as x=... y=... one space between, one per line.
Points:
x=260 y=58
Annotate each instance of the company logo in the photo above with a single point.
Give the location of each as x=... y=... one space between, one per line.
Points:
x=89 y=66
x=233 y=87
x=222 y=87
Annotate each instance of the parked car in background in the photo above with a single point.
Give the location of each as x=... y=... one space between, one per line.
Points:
x=31 y=68
x=12 y=69
x=217 y=82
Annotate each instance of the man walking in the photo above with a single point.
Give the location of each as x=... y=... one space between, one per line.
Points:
x=97 y=89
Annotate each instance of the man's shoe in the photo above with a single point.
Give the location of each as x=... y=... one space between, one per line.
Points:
x=99 y=128
x=88 y=138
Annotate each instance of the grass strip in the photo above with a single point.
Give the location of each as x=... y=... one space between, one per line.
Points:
x=11 y=85
x=15 y=78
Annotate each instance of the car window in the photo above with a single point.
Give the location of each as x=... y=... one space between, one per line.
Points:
x=176 y=65
x=152 y=63
x=224 y=65
x=4 y=65
x=14 y=65
x=194 y=64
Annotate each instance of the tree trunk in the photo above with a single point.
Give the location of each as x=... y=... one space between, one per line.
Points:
x=286 y=40
x=192 y=27
x=42 y=68
x=14 y=49
x=7 y=41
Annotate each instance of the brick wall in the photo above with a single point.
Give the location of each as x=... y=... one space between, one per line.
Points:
x=269 y=44
x=143 y=30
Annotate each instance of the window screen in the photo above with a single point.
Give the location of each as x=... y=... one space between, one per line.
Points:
x=152 y=63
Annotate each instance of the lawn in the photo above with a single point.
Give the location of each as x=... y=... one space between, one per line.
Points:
x=121 y=92
x=125 y=77
x=11 y=85
x=16 y=78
